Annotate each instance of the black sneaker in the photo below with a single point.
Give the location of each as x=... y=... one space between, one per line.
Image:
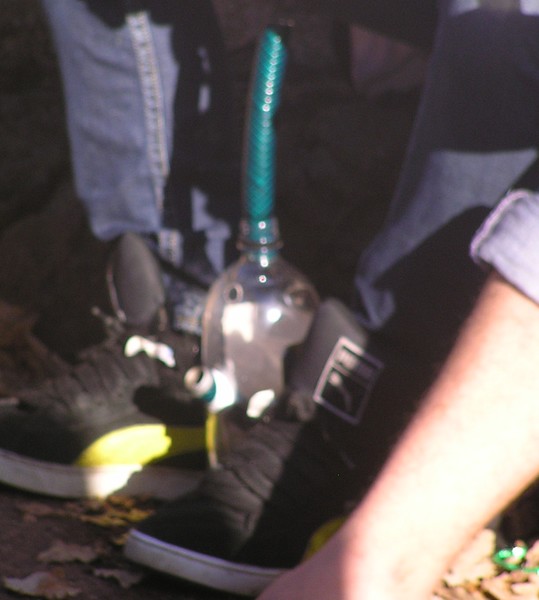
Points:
x=119 y=420
x=296 y=469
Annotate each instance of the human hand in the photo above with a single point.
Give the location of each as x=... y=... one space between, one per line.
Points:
x=327 y=575
x=309 y=581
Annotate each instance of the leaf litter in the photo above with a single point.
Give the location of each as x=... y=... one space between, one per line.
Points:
x=124 y=578
x=115 y=515
x=475 y=576
x=52 y=585
x=472 y=576
x=60 y=552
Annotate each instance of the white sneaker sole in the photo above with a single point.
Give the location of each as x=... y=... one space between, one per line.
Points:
x=209 y=571
x=69 y=481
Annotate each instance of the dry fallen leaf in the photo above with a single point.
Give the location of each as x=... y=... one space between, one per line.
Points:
x=50 y=585
x=499 y=587
x=474 y=562
x=106 y=520
x=532 y=556
x=525 y=591
x=32 y=511
x=112 y=512
x=458 y=593
x=60 y=552
x=126 y=579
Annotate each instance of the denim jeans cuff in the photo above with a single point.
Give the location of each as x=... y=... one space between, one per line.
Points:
x=508 y=241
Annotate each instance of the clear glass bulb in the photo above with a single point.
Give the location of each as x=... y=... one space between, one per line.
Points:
x=256 y=310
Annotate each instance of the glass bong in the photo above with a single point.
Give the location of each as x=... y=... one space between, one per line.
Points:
x=261 y=306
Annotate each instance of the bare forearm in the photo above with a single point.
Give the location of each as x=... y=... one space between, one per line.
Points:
x=469 y=451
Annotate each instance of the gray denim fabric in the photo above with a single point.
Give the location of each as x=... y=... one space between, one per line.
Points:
x=146 y=89
x=137 y=83
x=476 y=134
x=508 y=241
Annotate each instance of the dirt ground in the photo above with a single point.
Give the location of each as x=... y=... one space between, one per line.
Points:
x=339 y=155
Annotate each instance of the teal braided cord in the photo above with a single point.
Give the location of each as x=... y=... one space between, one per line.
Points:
x=260 y=148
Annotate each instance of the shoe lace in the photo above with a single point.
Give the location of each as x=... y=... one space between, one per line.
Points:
x=102 y=374
x=110 y=372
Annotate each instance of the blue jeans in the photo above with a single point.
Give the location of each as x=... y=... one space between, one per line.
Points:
x=476 y=133
x=147 y=106
x=148 y=114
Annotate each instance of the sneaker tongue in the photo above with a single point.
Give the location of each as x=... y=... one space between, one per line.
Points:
x=135 y=282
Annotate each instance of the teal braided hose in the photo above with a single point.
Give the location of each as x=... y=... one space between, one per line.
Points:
x=260 y=141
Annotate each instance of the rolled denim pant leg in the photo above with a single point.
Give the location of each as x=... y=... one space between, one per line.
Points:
x=476 y=132
x=121 y=68
x=508 y=241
